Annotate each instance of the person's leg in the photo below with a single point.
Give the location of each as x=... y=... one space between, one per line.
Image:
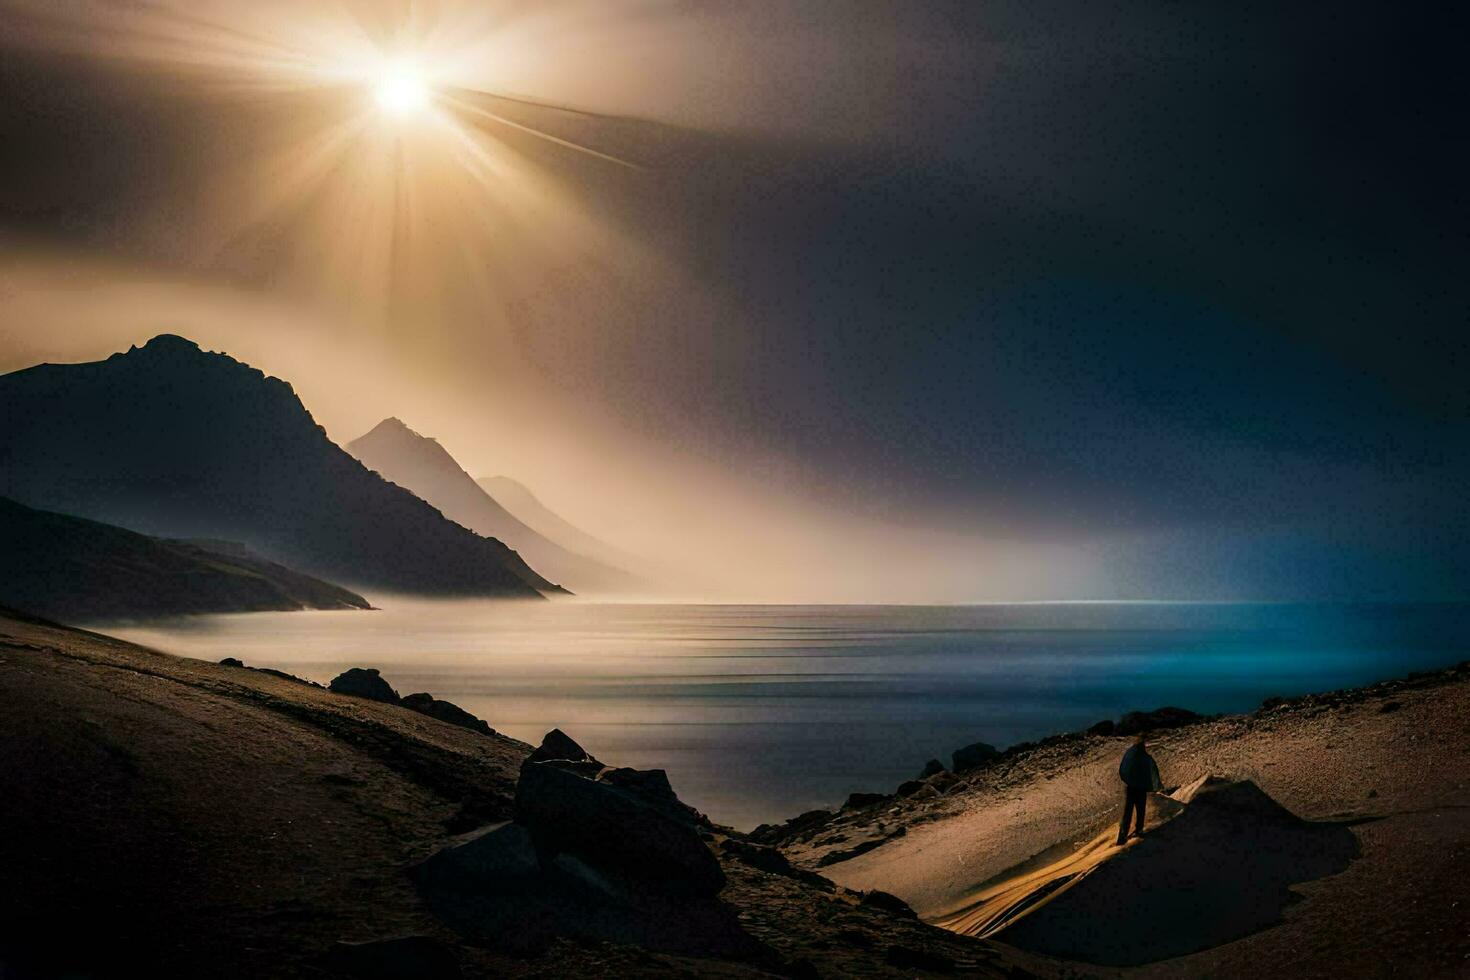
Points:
x=1140 y=806
x=1127 y=813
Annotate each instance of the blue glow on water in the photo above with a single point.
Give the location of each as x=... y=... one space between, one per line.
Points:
x=759 y=712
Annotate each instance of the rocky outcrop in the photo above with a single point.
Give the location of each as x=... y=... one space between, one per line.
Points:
x=1136 y=722
x=592 y=859
x=446 y=711
x=615 y=827
x=974 y=756
x=364 y=682
x=808 y=822
x=931 y=768
x=856 y=801
x=557 y=744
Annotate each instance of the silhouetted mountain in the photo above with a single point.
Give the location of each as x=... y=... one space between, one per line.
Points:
x=69 y=568
x=173 y=441
x=422 y=465
x=518 y=499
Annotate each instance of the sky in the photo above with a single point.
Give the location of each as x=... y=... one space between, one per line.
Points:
x=810 y=301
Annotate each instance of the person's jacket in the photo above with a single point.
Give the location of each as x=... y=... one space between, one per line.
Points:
x=1138 y=769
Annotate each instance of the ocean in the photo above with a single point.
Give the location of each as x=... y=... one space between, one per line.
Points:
x=761 y=712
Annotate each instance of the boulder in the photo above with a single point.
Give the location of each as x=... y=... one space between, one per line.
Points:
x=974 y=756
x=757 y=855
x=557 y=744
x=446 y=711
x=942 y=781
x=609 y=825
x=231 y=662
x=364 y=682
x=1145 y=721
x=856 y=801
x=909 y=788
x=807 y=822
x=499 y=889
x=931 y=768
x=1104 y=727
x=889 y=903
x=652 y=785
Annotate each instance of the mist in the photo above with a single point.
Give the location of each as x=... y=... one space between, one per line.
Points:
x=800 y=304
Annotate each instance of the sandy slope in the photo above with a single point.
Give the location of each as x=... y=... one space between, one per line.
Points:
x=1395 y=757
x=172 y=812
x=169 y=817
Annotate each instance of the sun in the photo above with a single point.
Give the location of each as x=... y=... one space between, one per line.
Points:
x=401 y=90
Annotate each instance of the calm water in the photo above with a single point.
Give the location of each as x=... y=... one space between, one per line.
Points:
x=759 y=712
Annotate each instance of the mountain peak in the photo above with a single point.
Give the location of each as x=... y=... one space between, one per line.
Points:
x=169 y=343
x=395 y=425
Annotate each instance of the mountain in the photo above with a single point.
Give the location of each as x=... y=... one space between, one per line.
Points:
x=419 y=463
x=69 y=568
x=517 y=498
x=176 y=442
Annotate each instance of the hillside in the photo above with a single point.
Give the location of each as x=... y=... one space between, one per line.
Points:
x=422 y=465
x=172 y=441
x=73 y=569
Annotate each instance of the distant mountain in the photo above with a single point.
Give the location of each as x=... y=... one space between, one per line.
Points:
x=419 y=463
x=70 y=569
x=176 y=442
x=517 y=498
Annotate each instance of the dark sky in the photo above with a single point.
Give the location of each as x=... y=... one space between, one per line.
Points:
x=1189 y=274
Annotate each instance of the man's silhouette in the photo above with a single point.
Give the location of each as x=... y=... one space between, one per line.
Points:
x=1140 y=774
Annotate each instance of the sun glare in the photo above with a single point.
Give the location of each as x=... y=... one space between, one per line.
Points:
x=400 y=90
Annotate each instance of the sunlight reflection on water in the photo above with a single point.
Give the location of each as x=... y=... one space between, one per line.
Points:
x=759 y=712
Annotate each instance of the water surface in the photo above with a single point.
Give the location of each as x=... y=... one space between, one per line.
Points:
x=760 y=712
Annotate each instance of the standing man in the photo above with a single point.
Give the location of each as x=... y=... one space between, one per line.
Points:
x=1140 y=774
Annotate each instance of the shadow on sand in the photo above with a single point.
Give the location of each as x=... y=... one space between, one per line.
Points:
x=1217 y=865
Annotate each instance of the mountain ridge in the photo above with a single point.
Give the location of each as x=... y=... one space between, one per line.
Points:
x=174 y=441
x=71 y=568
x=420 y=463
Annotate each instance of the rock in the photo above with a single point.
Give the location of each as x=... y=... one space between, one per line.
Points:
x=856 y=801
x=1145 y=721
x=757 y=855
x=586 y=768
x=363 y=682
x=1104 y=727
x=973 y=756
x=1272 y=702
x=501 y=853
x=889 y=903
x=405 y=957
x=1389 y=706
x=931 y=768
x=768 y=833
x=501 y=889
x=942 y=781
x=446 y=711
x=909 y=788
x=557 y=744
x=653 y=786
x=606 y=824
x=231 y=662
x=908 y=958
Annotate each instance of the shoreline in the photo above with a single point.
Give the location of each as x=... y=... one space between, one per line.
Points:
x=145 y=775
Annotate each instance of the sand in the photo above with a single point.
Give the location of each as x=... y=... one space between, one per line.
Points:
x=1391 y=764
